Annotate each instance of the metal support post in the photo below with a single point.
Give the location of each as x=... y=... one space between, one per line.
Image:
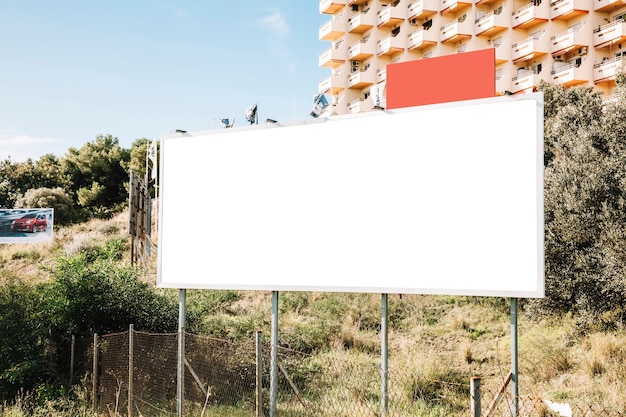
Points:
x=180 y=370
x=475 y=396
x=274 y=355
x=514 y=360
x=259 y=374
x=384 y=341
x=131 y=366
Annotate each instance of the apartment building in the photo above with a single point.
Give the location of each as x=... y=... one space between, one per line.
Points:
x=567 y=42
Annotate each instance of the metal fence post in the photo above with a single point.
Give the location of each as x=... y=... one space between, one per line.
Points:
x=475 y=396
x=131 y=365
x=94 y=374
x=259 y=374
x=72 y=357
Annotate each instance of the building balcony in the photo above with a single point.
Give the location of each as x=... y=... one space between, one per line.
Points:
x=381 y=74
x=457 y=30
x=334 y=84
x=361 y=22
x=454 y=6
x=568 y=74
x=390 y=45
x=532 y=47
x=532 y=14
x=352 y=2
x=608 y=69
x=390 y=16
x=485 y=2
x=334 y=28
x=607 y=5
x=334 y=56
x=422 y=38
x=331 y=6
x=502 y=53
x=573 y=38
x=362 y=79
x=422 y=9
x=491 y=23
x=610 y=34
x=360 y=105
x=568 y=9
x=525 y=82
x=362 y=50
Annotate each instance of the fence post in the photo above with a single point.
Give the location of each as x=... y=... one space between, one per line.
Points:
x=259 y=374
x=475 y=396
x=131 y=366
x=95 y=376
x=72 y=356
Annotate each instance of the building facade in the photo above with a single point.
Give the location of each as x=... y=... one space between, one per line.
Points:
x=566 y=42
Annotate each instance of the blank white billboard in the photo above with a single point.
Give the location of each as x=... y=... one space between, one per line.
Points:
x=443 y=199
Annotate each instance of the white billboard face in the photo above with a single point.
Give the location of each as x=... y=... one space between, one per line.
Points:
x=26 y=225
x=444 y=199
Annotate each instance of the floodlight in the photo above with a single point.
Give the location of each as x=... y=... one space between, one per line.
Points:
x=226 y=123
x=251 y=114
x=319 y=104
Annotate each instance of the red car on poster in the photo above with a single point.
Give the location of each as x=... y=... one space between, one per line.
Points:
x=30 y=222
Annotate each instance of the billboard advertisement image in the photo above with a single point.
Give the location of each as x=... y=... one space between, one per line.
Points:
x=26 y=225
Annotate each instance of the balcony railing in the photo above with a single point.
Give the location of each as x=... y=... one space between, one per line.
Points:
x=525 y=81
x=454 y=5
x=361 y=50
x=491 y=23
x=334 y=28
x=362 y=79
x=532 y=14
x=421 y=39
x=361 y=22
x=567 y=9
x=421 y=9
x=572 y=73
x=570 y=39
x=607 y=5
x=460 y=28
x=390 y=45
x=609 y=34
x=389 y=16
x=531 y=47
x=337 y=82
x=608 y=69
x=331 y=6
x=333 y=56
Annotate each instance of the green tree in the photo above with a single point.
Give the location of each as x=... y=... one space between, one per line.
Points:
x=584 y=198
x=24 y=359
x=55 y=198
x=17 y=178
x=97 y=174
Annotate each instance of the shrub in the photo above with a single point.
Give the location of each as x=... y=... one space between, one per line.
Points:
x=55 y=198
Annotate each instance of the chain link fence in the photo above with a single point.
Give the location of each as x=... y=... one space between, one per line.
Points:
x=134 y=374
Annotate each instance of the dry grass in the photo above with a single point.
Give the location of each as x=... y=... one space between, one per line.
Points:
x=429 y=336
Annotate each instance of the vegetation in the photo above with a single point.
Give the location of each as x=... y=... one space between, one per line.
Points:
x=571 y=342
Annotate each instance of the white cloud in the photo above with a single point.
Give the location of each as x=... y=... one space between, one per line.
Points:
x=275 y=23
x=20 y=147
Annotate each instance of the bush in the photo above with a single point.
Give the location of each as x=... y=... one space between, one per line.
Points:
x=55 y=198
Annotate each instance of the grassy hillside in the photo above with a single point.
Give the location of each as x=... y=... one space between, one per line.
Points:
x=432 y=338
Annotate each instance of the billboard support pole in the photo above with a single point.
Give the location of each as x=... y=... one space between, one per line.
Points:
x=274 y=355
x=180 y=370
x=514 y=359
x=384 y=352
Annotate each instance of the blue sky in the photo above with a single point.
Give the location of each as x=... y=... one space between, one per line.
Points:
x=71 y=70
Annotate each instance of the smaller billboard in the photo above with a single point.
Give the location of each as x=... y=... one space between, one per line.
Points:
x=26 y=225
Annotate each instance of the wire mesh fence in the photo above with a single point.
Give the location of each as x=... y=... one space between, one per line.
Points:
x=135 y=373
